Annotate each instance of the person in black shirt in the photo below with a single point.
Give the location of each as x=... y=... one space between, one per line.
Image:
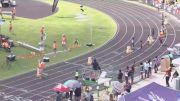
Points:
x=59 y=97
x=95 y=65
x=77 y=94
x=120 y=76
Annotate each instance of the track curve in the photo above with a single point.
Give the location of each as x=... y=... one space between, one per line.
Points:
x=132 y=21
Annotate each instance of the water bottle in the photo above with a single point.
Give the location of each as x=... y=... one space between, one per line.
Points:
x=178 y=99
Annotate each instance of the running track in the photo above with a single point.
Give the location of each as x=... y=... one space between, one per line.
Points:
x=132 y=20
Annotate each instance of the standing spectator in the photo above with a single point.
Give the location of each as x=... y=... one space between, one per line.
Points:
x=77 y=94
x=171 y=58
x=95 y=65
x=156 y=62
x=67 y=95
x=145 y=65
x=120 y=76
x=10 y=27
x=55 y=47
x=87 y=95
x=150 y=67
x=71 y=94
x=127 y=87
x=126 y=74
x=13 y=13
x=64 y=41
x=59 y=96
x=142 y=70
x=132 y=70
x=1 y=13
x=168 y=75
x=132 y=42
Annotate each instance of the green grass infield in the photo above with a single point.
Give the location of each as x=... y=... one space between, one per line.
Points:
x=68 y=21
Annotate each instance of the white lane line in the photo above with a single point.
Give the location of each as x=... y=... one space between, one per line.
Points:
x=148 y=26
x=40 y=82
x=133 y=33
x=99 y=52
x=173 y=40
x=85 y=53
x=25 y=82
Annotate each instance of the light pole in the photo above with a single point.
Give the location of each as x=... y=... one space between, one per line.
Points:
x=98 y=91
x=91 y=34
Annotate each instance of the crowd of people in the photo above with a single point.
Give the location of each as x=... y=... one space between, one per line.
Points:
x=125 y=77
x=78 y=94
x=172 y=7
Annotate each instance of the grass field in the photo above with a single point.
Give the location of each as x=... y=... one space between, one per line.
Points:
x=64 y=21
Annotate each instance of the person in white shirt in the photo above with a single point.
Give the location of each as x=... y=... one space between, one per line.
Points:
x=145 y=64
x=150 y=67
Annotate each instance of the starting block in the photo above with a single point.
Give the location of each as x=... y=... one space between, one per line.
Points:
x=129 y=49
